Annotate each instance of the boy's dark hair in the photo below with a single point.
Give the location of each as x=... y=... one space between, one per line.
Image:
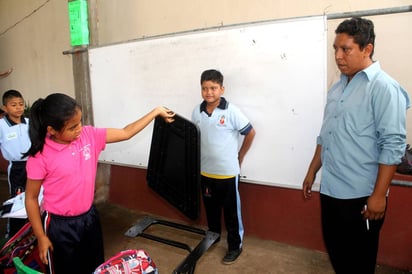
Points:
x=212 y=75
x=362 y=31
x=55 y=110
x=11 y=93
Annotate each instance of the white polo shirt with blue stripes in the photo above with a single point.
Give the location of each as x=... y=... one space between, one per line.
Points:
x=219 y=137
x=14 y=138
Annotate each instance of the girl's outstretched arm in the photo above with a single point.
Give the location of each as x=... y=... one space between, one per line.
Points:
x=116 y=135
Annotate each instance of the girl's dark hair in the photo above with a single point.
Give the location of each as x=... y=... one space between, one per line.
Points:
x=55 y=110
x=362 y=31
x=212 y=75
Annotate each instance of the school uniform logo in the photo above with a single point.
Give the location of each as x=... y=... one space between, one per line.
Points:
x=222 y=120
x=86 y=152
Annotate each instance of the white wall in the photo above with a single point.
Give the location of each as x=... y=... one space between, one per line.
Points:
x=34 y=46
x=129 y=19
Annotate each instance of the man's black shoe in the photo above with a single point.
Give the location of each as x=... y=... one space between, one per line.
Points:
x=231 y=256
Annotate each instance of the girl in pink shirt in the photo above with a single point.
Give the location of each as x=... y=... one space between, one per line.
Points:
x=63 y=159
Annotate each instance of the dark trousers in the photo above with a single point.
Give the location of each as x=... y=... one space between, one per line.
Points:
x=77 y=242
x=17 y=184
x=218 y=195
x=352 y=248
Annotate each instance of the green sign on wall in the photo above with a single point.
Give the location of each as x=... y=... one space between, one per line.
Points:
x=79 y=27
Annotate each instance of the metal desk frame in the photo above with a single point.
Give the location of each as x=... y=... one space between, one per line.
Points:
x=189 y=263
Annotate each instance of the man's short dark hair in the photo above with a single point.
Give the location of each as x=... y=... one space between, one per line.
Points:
x=362 y=31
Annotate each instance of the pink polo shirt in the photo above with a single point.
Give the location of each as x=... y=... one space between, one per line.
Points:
x=68 y=172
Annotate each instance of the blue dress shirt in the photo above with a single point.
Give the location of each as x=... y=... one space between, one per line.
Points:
x=364 y=125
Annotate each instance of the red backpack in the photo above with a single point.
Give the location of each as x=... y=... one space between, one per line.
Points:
x=128 y=262
x=23 y=245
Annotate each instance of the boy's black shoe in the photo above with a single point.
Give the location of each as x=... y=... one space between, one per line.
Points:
x=231 y=256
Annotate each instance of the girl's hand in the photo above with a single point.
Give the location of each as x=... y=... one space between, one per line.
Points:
x=45 y=246
x=166 y=113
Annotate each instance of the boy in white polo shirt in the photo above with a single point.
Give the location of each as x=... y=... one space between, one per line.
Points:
x=14 y=141
x=220 y=124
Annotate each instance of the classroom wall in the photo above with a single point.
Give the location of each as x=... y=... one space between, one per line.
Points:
x=189 y=15
x=34 y=33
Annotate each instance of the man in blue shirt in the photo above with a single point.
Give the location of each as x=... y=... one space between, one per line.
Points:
x=361 y=141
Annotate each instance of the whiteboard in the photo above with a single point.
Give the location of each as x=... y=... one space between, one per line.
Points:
x=275 y=72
